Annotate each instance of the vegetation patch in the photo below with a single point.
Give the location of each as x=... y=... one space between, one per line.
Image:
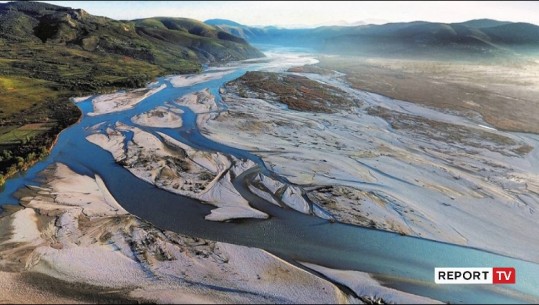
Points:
x=451 y=133
x=296 y=92
x=311 y=69
x=504 y=93
x=24 y=134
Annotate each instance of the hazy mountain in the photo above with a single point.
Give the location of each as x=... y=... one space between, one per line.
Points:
x=221 y=22
x=523 y=34
x=278 y=35
x=481 y=38
x=483 y=23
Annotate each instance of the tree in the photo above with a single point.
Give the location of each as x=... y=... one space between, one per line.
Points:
x=43 y=151
x=30 y=157
x=20 y=161
x=7 y=154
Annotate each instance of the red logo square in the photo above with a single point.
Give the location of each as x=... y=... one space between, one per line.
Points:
x=504 y=275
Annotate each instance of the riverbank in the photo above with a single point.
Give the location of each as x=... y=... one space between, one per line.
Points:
x=73 y=218
x=122 y=100
x=18 y=157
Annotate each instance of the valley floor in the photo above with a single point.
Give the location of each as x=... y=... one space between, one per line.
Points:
x=332 y=151
x=389 y=164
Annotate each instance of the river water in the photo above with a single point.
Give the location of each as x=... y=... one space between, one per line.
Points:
x=401 y=262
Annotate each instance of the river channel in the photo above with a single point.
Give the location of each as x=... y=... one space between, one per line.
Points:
x=401 y=262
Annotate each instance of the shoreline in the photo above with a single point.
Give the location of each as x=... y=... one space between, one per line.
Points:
x=122 y=244
x=71 y=99
x=101 y=92
x=28 y=165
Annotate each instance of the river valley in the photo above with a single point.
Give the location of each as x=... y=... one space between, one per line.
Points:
x=210 y=158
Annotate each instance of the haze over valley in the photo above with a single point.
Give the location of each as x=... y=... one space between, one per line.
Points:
x=168 y=159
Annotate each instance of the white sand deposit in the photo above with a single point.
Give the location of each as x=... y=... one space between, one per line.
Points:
x=15 y=289
x=120 y=101
x=24 y=232
x=193 y=79
x=160 y=117
x=181 y=169
x=282 y=61
x=111 y=140
x=79 y=99
x=71 y=230
x=199 y=102
x=396 y=166
x=364 y=285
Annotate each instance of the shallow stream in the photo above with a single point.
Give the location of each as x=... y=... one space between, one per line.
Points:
x=402 y=262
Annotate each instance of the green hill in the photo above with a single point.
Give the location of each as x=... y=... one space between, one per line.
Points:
x=175 y=44
x=49 y=53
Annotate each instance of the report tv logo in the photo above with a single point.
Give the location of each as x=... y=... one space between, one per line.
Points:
x=497 y=275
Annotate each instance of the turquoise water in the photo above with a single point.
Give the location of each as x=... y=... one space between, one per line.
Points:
x=402 y=262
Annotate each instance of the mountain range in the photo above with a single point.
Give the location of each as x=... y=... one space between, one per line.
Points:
x=470 y=39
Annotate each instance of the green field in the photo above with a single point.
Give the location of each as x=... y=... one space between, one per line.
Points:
x=21 y=93
x=6 y=129
x=24 y=134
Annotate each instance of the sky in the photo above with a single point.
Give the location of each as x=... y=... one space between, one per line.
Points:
x=311 y=14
